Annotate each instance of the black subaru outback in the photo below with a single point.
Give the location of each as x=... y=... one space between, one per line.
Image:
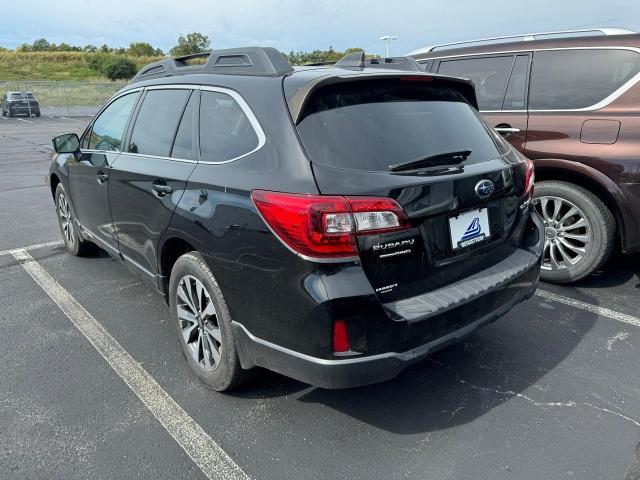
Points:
x=334 y=224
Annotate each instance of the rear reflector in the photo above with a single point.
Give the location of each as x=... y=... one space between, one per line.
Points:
x=529 y=178
x=340 y=337
x=325 y=227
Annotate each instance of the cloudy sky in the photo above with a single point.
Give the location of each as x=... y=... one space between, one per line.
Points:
x=301 y=24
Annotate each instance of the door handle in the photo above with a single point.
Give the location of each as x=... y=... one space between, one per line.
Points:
x=101 y=178
x=505 y=131
x=161 y=189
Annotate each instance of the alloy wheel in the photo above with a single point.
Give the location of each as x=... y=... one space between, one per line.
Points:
x=66 y=219
x=567 y=233
x=199 y=322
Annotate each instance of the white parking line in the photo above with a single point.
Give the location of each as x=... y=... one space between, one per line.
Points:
x=23 y=120
x=603 y=312
x=55 y=243
x=202 y=449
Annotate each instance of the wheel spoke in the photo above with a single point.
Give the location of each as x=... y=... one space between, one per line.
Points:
x=185 y=314
x=206 y=351
x=565 y=255
x=571 y=212
x=578 y=224
x=555 y=264
x=570 y=246
x=574 y=236
x=185 y=297
x=556 y=209
x=187 y=333
x=210 y=309
x=198 y=288
x=213 y=332
x=215 y=353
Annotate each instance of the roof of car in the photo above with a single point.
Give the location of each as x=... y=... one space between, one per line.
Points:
x=627 y=40
x=232 y=67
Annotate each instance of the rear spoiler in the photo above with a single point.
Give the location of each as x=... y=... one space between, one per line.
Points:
x=297 y=101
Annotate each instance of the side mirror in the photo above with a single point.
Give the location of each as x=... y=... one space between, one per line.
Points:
x=67 y=143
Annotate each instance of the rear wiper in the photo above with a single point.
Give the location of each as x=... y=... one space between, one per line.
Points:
x=437 y=160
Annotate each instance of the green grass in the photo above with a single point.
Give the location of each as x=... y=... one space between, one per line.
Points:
x=67 y=66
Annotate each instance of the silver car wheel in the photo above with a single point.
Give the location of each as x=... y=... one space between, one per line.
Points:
x=198 y=322
x=66 y=219
x=566 y=230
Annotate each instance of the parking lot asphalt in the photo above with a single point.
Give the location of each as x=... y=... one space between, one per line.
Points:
x=551 y=390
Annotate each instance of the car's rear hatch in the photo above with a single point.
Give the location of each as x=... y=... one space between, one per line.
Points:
x=462 y=198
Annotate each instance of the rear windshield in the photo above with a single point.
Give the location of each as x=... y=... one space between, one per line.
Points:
x=17 y=96
x=369 y=125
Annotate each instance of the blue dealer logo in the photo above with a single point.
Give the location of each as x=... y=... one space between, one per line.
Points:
x=473 y=230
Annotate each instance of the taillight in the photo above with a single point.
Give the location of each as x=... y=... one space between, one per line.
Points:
x=529 y=178
x=340 y=337
x=325 y=226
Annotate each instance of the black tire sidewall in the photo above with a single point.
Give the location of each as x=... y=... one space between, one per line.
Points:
x=600 y=222
x=225 y=374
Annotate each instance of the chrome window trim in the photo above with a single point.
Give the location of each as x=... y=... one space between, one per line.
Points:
x=246 y=109
x=621 y=90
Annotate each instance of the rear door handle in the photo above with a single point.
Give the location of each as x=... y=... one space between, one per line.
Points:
x=101 y=178
x=507 y=130
x=161 y=188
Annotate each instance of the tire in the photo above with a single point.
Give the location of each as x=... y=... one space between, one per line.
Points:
x=579 y=235
x=9 y=113
x=209 y=330
x=68 y=227
x=37 y=114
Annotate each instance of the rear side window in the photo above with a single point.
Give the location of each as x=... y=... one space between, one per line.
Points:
x=489 y=75
x=157 y=122
x=225 y=130
x=108 y=129
x=568 y=79
x=369 y=125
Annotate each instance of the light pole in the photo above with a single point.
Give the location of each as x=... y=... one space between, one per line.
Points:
x=388 y=38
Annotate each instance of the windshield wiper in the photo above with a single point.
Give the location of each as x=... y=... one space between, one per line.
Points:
x=436 y=160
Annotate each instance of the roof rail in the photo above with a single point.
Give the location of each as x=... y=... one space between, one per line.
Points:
x=395 y=63
x=257 y=61
x=528 y=37
x=358 y=61
x=352 y=60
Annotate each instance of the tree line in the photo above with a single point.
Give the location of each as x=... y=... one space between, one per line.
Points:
x=187 y=44
x=114 y=62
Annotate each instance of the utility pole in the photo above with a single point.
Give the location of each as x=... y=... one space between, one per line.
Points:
x=388 y=38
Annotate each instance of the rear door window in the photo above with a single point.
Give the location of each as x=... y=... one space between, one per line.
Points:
x=570 y=79
x=226 y=132
x=516 y=95
x=183 y=146
x=157 y=122
x=108 y=129
x=489 y=75
x=371 y=124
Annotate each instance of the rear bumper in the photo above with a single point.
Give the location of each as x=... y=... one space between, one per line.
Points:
x=353 y=372
x=23 y=109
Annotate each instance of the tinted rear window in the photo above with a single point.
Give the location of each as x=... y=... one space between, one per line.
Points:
x=567 y=79
x=369 y=125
